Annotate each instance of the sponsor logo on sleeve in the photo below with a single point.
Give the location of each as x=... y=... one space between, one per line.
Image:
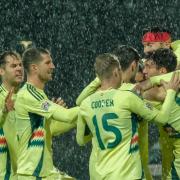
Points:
x=45 y=105
x=149 y=106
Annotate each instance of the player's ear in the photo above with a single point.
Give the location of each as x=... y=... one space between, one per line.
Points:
x=33 y=67
x=116 y=72
x=163 y=70
x=133 y=66
x=1 y=71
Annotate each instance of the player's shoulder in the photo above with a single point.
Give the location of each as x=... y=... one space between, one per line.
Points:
x=130 y=94
x=86 y=101
x=30 y=93
x=3 y=93
x=2 y=89
x=126 y=86
x=100 y=96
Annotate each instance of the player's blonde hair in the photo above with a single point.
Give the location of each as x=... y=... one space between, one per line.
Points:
x=105 y=64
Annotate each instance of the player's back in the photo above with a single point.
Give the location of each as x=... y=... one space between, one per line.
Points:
x=115 y=137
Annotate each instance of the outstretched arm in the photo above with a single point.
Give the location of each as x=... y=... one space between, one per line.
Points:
x=88 y=90
x=58 y=128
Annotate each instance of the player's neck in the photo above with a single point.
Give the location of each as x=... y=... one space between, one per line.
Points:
x=125 y=77
x=108 y=84
x=35 y=81
x=9 y=87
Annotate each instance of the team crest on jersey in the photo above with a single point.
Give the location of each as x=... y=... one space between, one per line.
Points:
x=45 y=105
x=149 y=106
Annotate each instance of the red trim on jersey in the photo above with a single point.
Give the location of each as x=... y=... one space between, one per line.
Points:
x=39 y=133
x=134 y=139
x=2 y=141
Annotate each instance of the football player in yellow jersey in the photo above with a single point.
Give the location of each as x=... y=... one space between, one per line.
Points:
x=128 y=67
x=112 y=119
x=129 y=59
x=160 y=62
x=35 y=115
x=153 y=39
x=173 y=122
x=11 y=72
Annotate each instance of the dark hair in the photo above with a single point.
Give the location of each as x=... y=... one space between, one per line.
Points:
x=105 y=64
x=163 y=57
x=126 y=55
x=32 y=56
x=140 y=66
x=155 y=29
x=5 y=54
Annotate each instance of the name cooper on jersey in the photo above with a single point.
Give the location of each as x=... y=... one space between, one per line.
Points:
x=102 y=103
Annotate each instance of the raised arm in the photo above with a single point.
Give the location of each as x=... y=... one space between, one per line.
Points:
x=7 y=107
x=88 y=90
x=156 y=80
x=153 y=81
x=148 y=112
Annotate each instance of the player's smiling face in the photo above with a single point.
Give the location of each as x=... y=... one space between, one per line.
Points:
x=150 y=69
x=45 y=68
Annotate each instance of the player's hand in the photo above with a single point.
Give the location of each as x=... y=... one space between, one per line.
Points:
x=60 y=102
x=138 y=89
x=174 y=83
x=9 y=103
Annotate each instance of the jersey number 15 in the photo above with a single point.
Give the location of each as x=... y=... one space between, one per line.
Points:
x=109 y=128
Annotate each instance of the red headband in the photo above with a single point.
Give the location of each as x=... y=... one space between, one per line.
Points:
x=156 y=37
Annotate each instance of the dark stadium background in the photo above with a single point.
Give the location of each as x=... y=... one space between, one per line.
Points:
x=75 y=31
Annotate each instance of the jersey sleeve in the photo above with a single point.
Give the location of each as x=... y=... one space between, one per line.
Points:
x=148 y=112
x=83 y=134
x=90 y=89
x=2 y=114
x=58 y=128
x=155 y=80
x=48 y=109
